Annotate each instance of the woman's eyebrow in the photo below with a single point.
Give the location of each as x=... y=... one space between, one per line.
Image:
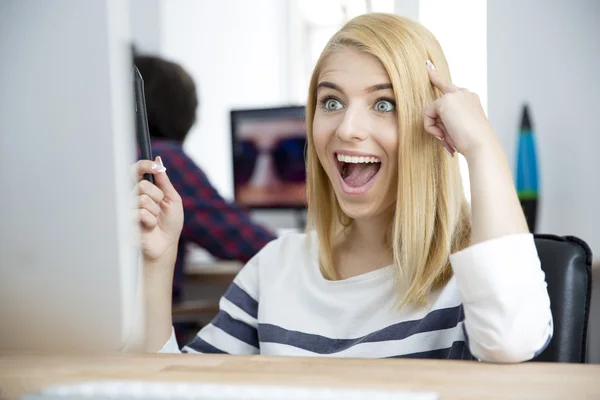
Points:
x=382 y=86
x=329 y=85
x=374 y=88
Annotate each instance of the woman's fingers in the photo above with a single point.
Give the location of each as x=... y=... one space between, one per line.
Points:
x=449 y=148
x=435 y=127
x=148 y=198
x=149 y=189
x=145 y=218
x=145 y=202
x=431 y=126
x=440 y=124
x=164 y=183
x=433 y=122
x=439 y=82
x=161 y=179
x=142 y=167
x=448 y=141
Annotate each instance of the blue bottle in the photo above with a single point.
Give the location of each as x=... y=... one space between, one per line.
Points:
x=527 y=171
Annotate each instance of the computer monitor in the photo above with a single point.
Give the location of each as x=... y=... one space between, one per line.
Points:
x=269 y=167
x=68 y=262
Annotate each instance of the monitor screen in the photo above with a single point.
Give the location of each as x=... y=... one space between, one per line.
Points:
x=269 y=168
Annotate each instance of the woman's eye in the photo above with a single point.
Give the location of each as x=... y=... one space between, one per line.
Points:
x=384 y=106
x=333 y=105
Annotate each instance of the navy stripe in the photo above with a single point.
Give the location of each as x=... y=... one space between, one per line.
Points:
x=240 y=298
x=236 y=328
x=201 y=346
x=467 y=350
x=436 y=320
x=461 y=316
x=458 y=351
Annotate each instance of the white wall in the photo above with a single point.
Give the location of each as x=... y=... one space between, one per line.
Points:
x=547 y=53
x=145 y=25
x=244 y=44
x=407 y=8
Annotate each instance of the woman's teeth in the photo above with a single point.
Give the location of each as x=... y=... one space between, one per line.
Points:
x=357 y=159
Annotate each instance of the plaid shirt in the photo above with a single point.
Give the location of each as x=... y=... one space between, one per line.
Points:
x=220 y=227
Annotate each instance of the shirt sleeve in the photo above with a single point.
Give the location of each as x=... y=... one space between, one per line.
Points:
x=171 y=346
x=220 y=227
x=505 y=298
x=235 y=328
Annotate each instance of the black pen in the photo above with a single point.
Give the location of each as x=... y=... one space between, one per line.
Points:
x=141 y=120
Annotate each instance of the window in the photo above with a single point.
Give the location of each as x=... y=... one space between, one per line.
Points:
x=312 y=23
x=461 y=28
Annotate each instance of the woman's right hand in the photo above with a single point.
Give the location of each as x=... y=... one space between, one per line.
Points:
x=158 y=209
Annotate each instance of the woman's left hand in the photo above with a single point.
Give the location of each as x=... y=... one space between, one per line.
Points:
x=457 y=118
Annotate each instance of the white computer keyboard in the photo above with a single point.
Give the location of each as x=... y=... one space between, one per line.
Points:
x=132 y=390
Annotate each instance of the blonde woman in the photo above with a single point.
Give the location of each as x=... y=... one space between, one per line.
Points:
x=395 y=263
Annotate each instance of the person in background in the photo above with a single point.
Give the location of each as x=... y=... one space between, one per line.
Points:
x=218 y=226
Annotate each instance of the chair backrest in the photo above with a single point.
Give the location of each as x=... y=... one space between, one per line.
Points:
x=567 y=263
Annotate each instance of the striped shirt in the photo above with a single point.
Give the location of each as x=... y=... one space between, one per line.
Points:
x=494 y=308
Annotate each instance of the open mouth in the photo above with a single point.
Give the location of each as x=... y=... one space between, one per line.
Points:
x=357 y=171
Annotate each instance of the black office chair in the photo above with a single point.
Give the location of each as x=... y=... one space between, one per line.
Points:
x=567 y=263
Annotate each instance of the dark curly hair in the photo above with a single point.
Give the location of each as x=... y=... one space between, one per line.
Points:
x=171 y=98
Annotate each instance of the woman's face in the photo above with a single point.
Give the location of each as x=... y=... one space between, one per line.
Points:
x=355 y=132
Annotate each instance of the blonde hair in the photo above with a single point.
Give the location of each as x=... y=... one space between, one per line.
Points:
x=432 y=217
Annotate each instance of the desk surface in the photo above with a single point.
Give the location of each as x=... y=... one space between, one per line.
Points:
x=450 y=379
x=217 y=267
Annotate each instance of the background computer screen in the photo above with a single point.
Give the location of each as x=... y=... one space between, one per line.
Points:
x=269 y=168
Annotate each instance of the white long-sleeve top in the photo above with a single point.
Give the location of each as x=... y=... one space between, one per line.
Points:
x=495 y=308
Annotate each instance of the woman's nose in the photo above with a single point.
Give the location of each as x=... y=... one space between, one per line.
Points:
x=353 y=126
